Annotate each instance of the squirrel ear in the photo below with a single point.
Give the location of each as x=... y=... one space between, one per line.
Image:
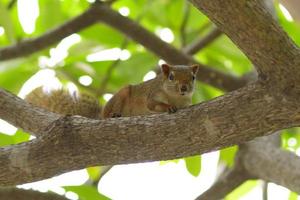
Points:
x=195 y=68
x=165 y=69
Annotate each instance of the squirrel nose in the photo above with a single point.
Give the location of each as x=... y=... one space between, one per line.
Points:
x=183 y=88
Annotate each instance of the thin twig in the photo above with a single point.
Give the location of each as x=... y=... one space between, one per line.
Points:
x=109 y=71
x=265 y=190
x=202 y=42
x=187 y=10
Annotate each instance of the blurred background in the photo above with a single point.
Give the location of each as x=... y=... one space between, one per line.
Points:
x=100 y=60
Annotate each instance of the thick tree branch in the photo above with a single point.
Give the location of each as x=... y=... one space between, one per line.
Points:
x=202 y=42
x=256 y=33
x=226 y=183
x=266 y=161
x=16 y=113
x=76 y=142
x=20 y=194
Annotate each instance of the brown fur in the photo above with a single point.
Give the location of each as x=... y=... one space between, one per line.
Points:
x=156 y=95
x=62 y=102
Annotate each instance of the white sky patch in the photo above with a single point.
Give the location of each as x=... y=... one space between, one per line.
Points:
x=85 y=80
x=277 y=192
x=109 y=54
x=44 y=77
x=124 y=11
x=160 y=62
x=168 y=181
x=254 y=193
x=107 y=96
x=298 y=152
x=73 y=89
x=91 y=1
x=7 y=128
x=125 y=54
x=2 y=31
x=286 y=13
x=72 y=195
x=28 y=12
x=165 y=34
x=59 y=190
x=292 y=142
x=74 y=178
x=60 y=52
x=149 y=75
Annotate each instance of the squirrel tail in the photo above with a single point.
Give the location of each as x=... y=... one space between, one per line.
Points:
x=63 y=102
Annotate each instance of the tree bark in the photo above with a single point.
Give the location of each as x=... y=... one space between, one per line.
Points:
x=20 y=194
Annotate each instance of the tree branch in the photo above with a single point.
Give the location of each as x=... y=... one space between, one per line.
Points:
x=15 y=111
x=202 y=42
x=268 y=162
x=252 y=28
x=226 y=183
x=20 y=194
x=30 y=46
x=77 y=142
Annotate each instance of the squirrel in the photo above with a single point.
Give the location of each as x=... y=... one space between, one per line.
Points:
x=170 y=90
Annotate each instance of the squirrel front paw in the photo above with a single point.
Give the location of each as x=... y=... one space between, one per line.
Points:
x=172 y=109
x=115 y=115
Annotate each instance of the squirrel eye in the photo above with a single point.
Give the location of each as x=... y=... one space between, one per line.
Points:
x=171 y=77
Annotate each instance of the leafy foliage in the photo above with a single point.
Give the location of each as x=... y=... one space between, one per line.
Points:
x=193 y=165
x=86 y=192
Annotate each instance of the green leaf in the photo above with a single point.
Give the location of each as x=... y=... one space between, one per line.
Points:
x=6 y=140
x=51 y=15
x=227 y=155
x=86 y=192
x=164 y=162
x=241 y=190
x=103 y=35
x=293 y=196
x=6 y=22
x=20 y=136
x=291 y=27
x=94 y=172
x=193 y=165
x=14 y=73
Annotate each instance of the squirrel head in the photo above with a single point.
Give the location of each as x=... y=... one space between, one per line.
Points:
x=179 y=80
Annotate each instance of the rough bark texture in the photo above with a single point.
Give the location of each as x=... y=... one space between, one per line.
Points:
x=252 y=28
x=263 y=159
x=77 y=142
x=19 y=194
